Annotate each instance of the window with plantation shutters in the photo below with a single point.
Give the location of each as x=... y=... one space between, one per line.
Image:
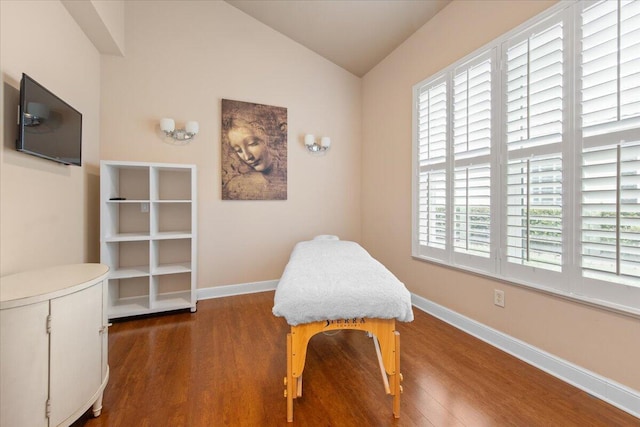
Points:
x=534 y=212
x=472 y=210
x=534 y=89
x=432 y=154
x=527 y=156
x=534 y=133
x=610 y=67
x=609 y=101
x=433 y=219
x=471 y=139
x=610 y=234
x=472 y=109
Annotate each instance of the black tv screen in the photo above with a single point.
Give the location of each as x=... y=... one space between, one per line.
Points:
x=48 y=127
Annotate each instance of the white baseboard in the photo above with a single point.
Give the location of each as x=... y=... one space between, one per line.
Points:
x=231 y=290
x=603 y=388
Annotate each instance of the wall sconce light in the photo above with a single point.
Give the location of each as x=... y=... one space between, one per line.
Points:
x=182 y=136
x=314 y=147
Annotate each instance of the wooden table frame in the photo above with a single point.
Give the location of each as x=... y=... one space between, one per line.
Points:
x=386 y=339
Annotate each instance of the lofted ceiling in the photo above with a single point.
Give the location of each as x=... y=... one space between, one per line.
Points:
x=354 y=34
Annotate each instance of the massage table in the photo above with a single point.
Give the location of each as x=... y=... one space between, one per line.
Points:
x=331 y=285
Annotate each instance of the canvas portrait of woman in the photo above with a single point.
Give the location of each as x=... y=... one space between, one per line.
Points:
x=254 y=151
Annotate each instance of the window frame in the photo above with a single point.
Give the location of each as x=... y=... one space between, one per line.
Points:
x=569 y=282
x=457 y=257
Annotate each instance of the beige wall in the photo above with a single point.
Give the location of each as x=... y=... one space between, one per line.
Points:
x=48 y=212
x=181 y=59
x=598 y=340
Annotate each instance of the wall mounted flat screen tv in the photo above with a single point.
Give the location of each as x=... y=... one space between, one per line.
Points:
x=48 y=127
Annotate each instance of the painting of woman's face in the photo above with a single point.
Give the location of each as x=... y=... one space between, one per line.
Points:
x=251 y=146
x=254 y=151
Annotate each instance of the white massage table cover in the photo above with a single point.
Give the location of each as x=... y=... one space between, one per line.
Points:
x=330 y=279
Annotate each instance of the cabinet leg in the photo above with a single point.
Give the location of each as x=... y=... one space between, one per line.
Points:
x=97 y=406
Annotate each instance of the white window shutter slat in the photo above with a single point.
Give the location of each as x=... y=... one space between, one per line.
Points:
x=432 y=221
x=534 y=89
x=534 y=210
x=610 y=212
x=472 y=123
x=472 y=210
x=432 y=152
x=610 y=66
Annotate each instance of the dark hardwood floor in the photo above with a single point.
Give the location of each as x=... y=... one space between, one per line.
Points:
x=225 y=364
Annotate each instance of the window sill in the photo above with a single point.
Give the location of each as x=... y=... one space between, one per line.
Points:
x=592 y=302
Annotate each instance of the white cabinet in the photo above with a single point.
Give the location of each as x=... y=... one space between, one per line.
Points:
x=53 y=345
x=77 y=362
x=24 y=366
x=148 y=231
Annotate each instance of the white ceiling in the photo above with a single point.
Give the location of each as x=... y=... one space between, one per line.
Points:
x=354 y=34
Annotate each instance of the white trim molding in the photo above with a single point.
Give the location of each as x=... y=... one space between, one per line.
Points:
x=241 y=289
x=596 y=385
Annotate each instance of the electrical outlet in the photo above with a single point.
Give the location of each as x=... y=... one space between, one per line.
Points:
x=144 y=207
x=498 y=297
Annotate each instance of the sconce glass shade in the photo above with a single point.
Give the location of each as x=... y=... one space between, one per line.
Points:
x=314 y=147
x=178 y=136
x=309 y=140
x=167 y=125
x=192 y=127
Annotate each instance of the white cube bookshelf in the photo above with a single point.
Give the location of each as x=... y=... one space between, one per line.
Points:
x=148 y=236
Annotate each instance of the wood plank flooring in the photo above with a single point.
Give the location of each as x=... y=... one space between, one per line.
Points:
x=225 y=364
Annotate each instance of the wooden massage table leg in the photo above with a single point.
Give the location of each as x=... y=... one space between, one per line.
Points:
x=387 y=344
x=296 y=353
x=397 y=378
x=289 y=382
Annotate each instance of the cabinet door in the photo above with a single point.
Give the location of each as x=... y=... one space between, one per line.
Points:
x=76 y=351
x=24 y=365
